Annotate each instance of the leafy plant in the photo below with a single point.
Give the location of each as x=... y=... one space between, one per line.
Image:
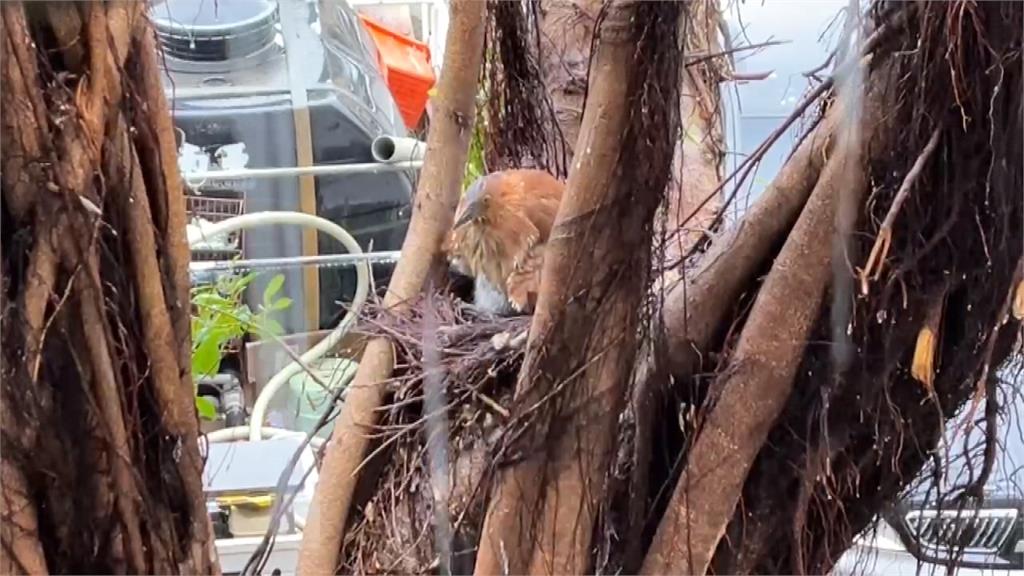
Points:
x=219 y=316
x=475 y=163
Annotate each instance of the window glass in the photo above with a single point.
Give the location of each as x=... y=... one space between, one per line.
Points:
x=755 y=108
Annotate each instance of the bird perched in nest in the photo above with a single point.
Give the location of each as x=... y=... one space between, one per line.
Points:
x=501 y=228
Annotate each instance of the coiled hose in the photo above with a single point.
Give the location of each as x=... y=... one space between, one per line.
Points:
x=253 y=220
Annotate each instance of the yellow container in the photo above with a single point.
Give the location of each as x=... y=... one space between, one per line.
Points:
x=250 y=515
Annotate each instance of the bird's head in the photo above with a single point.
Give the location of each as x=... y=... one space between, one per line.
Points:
x=474 y=204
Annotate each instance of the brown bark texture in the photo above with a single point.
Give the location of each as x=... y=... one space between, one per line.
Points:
x=583 y=335
x=751 y=394
x=437 y=196
x=696 y=307
x=786 y=413
x=693 y=197
x=97 y=392
x=566 y=35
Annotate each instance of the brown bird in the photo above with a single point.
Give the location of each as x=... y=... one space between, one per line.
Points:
x=501 y=228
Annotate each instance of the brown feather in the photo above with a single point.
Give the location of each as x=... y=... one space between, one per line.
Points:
x=505 y=243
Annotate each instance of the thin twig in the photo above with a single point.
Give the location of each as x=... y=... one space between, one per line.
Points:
x=743 y=170
x=492 y=404
x=988 y=384
x=699 y=58
x=880 y=249
x=748 y=76
x=813 y=72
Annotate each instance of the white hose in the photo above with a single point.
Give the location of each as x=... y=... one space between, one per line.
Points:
x=237 y=433
x=255 y=219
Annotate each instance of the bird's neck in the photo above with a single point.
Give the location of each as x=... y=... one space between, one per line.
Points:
x=484 y=254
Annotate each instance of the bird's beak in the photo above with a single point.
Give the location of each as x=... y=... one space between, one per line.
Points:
x=468 y=214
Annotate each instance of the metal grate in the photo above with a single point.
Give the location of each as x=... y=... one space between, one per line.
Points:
x=984 y=531
x=215 y=209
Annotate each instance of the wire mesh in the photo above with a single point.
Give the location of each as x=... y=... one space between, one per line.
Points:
x=215 y=209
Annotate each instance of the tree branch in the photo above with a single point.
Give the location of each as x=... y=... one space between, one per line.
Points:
x=436 y=198
x=755 y=386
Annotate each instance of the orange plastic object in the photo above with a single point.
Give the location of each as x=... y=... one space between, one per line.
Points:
x=405 y=63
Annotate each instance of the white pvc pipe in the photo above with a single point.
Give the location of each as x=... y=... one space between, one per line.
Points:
x=390 y=149
x=237 y=433
x=255 y=219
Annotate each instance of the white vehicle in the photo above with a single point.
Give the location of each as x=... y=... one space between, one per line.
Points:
x=930 y=532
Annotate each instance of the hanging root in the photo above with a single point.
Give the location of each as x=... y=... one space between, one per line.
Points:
x=90 y=356
x=941 y=215
x=522 y=128
x=873 y=268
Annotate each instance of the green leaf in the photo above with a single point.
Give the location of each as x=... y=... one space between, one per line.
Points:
x=271 y=326
x=206 y=409
x=243 y=282
x=211 y=300
x=206 y=356
x=273 y=287
x=282 y=303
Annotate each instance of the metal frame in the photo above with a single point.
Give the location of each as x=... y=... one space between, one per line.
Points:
x=383 y=257
x=198 y=179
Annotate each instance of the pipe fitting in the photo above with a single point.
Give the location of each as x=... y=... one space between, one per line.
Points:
x=389 y=149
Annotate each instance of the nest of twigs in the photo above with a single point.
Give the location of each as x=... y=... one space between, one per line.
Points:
x=470 y=362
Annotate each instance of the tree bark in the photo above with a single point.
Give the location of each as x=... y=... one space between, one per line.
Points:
x=97 y=280
x=692 y=201
x=752 y=390
x=433 y=213
x=567 y=31
x=695 y=308
x=22 y=552
x=573 y=382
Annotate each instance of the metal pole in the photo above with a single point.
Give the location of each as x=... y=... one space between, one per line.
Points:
x=196 y=179
x=295 y=261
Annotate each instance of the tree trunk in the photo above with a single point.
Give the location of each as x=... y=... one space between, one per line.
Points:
x=751 y=394
x=694 y=197
x=97 y=387
x=787 y=414
x=567 y=31
x=696 y=307
x=583 y=336
x=433 y=213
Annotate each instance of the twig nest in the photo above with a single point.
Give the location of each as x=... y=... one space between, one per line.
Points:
x=507 y=341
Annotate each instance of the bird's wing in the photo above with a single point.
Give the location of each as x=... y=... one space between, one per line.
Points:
x=533 y=194
x=541 y=213
x=523 y=284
